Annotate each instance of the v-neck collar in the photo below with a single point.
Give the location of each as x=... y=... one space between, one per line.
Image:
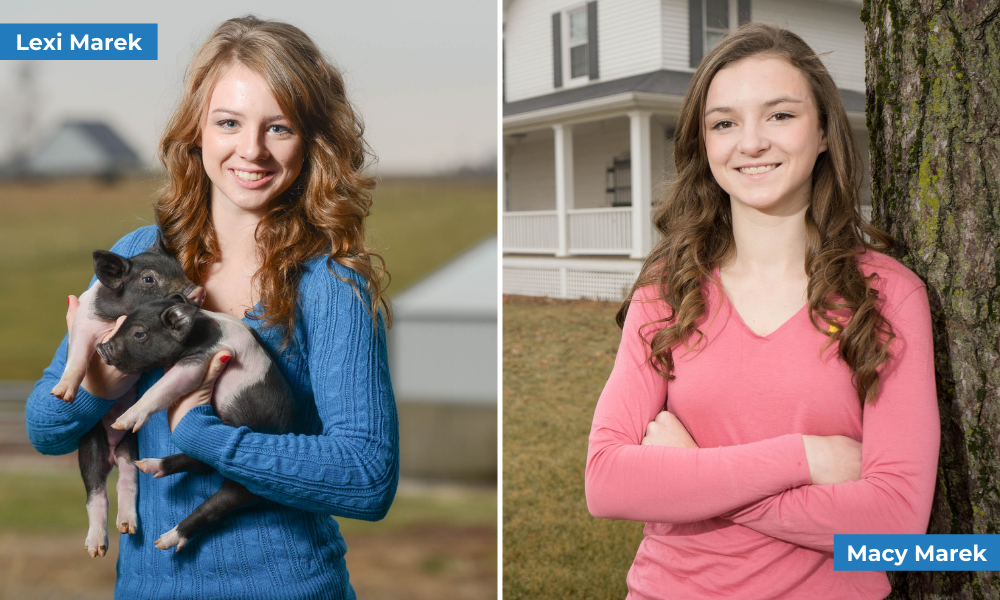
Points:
x=735 y=315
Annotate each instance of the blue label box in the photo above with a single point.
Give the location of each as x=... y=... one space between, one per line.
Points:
x=916 y=552
x=78 y=41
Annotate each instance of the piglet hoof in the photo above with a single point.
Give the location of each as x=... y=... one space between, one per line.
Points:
x=153 y=466
x=96 y=544
x=132 y=420
x=126 y=524
x=63 y=392
x=170 y=539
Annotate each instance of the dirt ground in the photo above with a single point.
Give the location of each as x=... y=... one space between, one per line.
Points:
x=423 y=563
x=413 y=562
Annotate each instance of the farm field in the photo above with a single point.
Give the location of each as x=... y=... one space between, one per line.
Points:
x=437 y=541
x=48 y=231
x=557 y=356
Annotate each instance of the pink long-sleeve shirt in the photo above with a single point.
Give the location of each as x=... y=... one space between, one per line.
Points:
x=737 y=517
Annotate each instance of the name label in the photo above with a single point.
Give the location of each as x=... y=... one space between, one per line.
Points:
x=975 y=552
x=78 y=41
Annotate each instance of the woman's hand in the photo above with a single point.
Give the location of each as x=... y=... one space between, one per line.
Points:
x=101 y=380
x=667 y=430
x=202 y=395
x=832 y=458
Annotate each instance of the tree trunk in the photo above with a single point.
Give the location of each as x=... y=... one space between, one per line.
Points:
x=933 y=89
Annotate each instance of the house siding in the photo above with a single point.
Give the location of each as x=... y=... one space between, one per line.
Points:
x=531 y=174
x=629 y=37
x=827 y=27
x=628 y=43
x=595 y=147
x=674 y=29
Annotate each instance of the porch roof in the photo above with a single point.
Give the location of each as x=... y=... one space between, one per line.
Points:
x=664 y=82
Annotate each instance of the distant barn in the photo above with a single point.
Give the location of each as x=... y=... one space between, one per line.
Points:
x=88 y=148
x=443 y=363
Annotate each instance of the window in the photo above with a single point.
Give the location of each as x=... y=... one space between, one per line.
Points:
x=574 y=45
x=716 y=22
x=712 y=20
x=618 y=181
x=579 y=66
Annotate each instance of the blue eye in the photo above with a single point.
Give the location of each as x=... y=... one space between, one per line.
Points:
x=140 y=335
x=279 y=129
x=148 y=280
x=226 y=123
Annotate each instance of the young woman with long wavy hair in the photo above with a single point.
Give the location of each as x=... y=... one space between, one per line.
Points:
x=264 y=206
x=775 y=381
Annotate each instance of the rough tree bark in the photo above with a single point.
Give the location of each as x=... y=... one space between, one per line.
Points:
x=933 y=89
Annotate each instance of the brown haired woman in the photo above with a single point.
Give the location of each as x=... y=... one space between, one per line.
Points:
x=769 y=324
x=265 y=207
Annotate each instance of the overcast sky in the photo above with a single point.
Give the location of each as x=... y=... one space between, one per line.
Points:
x=423 y=74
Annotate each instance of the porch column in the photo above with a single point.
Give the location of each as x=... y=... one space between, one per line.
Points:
x=642 y=182
x=564 y=183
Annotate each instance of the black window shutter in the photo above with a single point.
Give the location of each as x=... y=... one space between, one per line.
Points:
x=697 y=32
x=557 y=49
x=743 y=10
x=592 y=39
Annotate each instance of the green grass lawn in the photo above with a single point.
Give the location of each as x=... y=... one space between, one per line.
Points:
x=557 y=356
x=49 y=230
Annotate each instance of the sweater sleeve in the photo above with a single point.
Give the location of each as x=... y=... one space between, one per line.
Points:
x=352 y=467
x=901 y=437
x=54 y=426
x=625 y=480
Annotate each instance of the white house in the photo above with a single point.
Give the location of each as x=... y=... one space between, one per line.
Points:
x=443 y=360
x=83 y=148
x=591 y=96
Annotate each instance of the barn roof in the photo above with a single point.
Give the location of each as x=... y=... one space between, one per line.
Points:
x=106 y=139
x=463 y=289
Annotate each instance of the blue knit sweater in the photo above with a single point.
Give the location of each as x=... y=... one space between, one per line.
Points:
x=286 y=546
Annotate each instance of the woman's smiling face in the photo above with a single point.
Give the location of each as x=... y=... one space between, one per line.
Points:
x=250 y=150
x=763 y=135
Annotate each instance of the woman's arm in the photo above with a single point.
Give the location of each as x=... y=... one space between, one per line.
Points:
x=902 y=434
x=352 y=467
x=54 y=426
x=625 y=480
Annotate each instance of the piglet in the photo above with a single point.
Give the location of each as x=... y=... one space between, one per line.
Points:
x=122 y=284
x=251 y=391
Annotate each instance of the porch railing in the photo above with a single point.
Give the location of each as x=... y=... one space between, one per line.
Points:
x=531 y=232
x=600 y=230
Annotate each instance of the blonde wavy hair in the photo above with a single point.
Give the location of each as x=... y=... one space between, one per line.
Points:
x=695 y=221
x=322 y=213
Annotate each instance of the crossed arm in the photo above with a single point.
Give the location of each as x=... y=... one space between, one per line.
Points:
x=773 y=486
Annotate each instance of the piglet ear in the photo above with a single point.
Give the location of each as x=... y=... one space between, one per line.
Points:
x=179 y=319
x=160 y=247
x=110 y=268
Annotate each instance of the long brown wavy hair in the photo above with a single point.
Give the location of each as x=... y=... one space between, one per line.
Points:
x=695 y=221
x=322 y=213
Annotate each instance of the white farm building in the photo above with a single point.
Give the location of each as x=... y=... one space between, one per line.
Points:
x=591 y=96
x=443 y=360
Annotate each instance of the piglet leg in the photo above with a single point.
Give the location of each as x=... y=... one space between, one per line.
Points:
x=180 y=380
x=175 y=463
x=95 y=465
x=217 y=507
x=128 y=482
x=86 y=331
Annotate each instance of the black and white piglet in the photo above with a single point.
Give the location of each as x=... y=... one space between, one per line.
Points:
x=122 y=284
x=251 y=391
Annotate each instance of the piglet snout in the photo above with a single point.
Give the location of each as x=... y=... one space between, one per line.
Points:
x=105 y=351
